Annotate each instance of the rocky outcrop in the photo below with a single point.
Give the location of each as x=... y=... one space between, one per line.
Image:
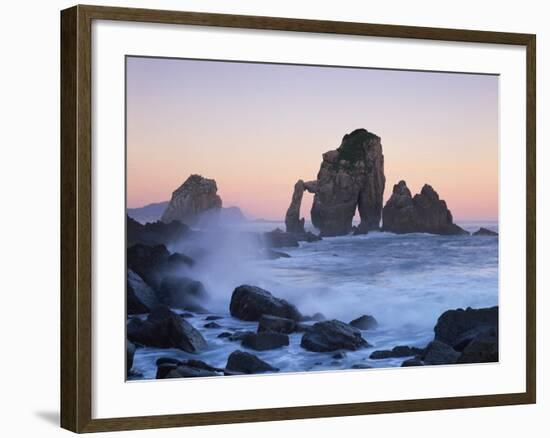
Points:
x=281 y=239
x=154 y=233
x=152 y=263
x=170 y=368
x=249 y=303
x=140 y=298
x=195 y=196
x=269 y=323
x=332 y=335
x=243 y=362
x=398 y=351
x=365 y=322
x=484 y=232
x=350 y=178
x=182 y=293
x=293 y=222
x=459 y=327
x=165 y=329
x=438 y=353
x=423 y=213
x=265 y=341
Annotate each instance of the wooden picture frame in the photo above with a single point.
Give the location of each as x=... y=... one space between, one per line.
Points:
x=76 y=217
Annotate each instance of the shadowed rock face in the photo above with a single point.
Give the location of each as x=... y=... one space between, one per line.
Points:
x=195 y=196
x=351 y=177
x=423 y=213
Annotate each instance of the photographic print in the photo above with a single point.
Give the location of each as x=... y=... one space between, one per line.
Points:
x=290 y=218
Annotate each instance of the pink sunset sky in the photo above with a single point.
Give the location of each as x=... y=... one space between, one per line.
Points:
x=258 y=128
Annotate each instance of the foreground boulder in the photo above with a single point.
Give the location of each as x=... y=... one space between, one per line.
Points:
x=172 y=369
x=154 y=233
x=195 y=196
x=484 y=232
x=459 y=327
x=332 y=335
x=438 y=353
x=425 y=213
x=243 y=362
x=270 y=323
x=165 y=329
x=350 y=178
x=398 y=351
x=182 y=293
x=483 y=348
x=152 y=263
x=365 y=322
x=249 y=303
x=265 y=341
x=140 y=298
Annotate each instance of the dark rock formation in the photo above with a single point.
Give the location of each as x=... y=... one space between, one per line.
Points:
x=459 y=327
x=360 y=366
x=243 y=362
x=140 y=298
x=195 y=196
x=182 y=293
x=425 y=213
x=274 y=255
x=212 y=325
x=249 y=303
x=280 y=239
x=351 y=177
x=483 y=348
x=151 y=263
x=269 y=323
x=414 y=362
x=295 y=224
x=239 y=335
x=438 y=353
x=165 y=329
x=130 y=351
x=398 y=351
x=331 y=336
x=173 y=369
x=155 y=233
x=365 y=322
x=265 y=341
x=484 y=232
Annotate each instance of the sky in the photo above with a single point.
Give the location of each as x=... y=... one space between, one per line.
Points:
x=258 y=128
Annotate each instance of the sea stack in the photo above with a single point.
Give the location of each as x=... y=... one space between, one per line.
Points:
x=423 y=213
x=194 y=197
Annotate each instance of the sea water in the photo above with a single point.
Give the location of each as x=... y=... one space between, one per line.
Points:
x=404 y=281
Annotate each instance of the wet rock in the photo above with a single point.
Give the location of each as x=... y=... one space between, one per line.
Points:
x=213 y=318
x=365 y=322
x=280 y=239
x=332 y=335
x=130 y=351
x=350 y=178
x=425 y=213
x=459 y=327
x=182 y=293
x=414 y=362
x=265 y=341
x=269 y=323
x=243 y=362
x=274 y=255
x=154 y=233
x=483 y=348
x=438 y=353
x=224 y=335
x=239 y=335
x=340 y=355
x=194 y=197
x=249 y=303
x=165 y=329
x=212 y=325
x=152 y=263
x=140 y=298
x=302 y=328
x=398 y=351
x=484 y=232
x=186 y=368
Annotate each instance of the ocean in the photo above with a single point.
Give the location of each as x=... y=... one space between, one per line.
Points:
x=404 y=281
